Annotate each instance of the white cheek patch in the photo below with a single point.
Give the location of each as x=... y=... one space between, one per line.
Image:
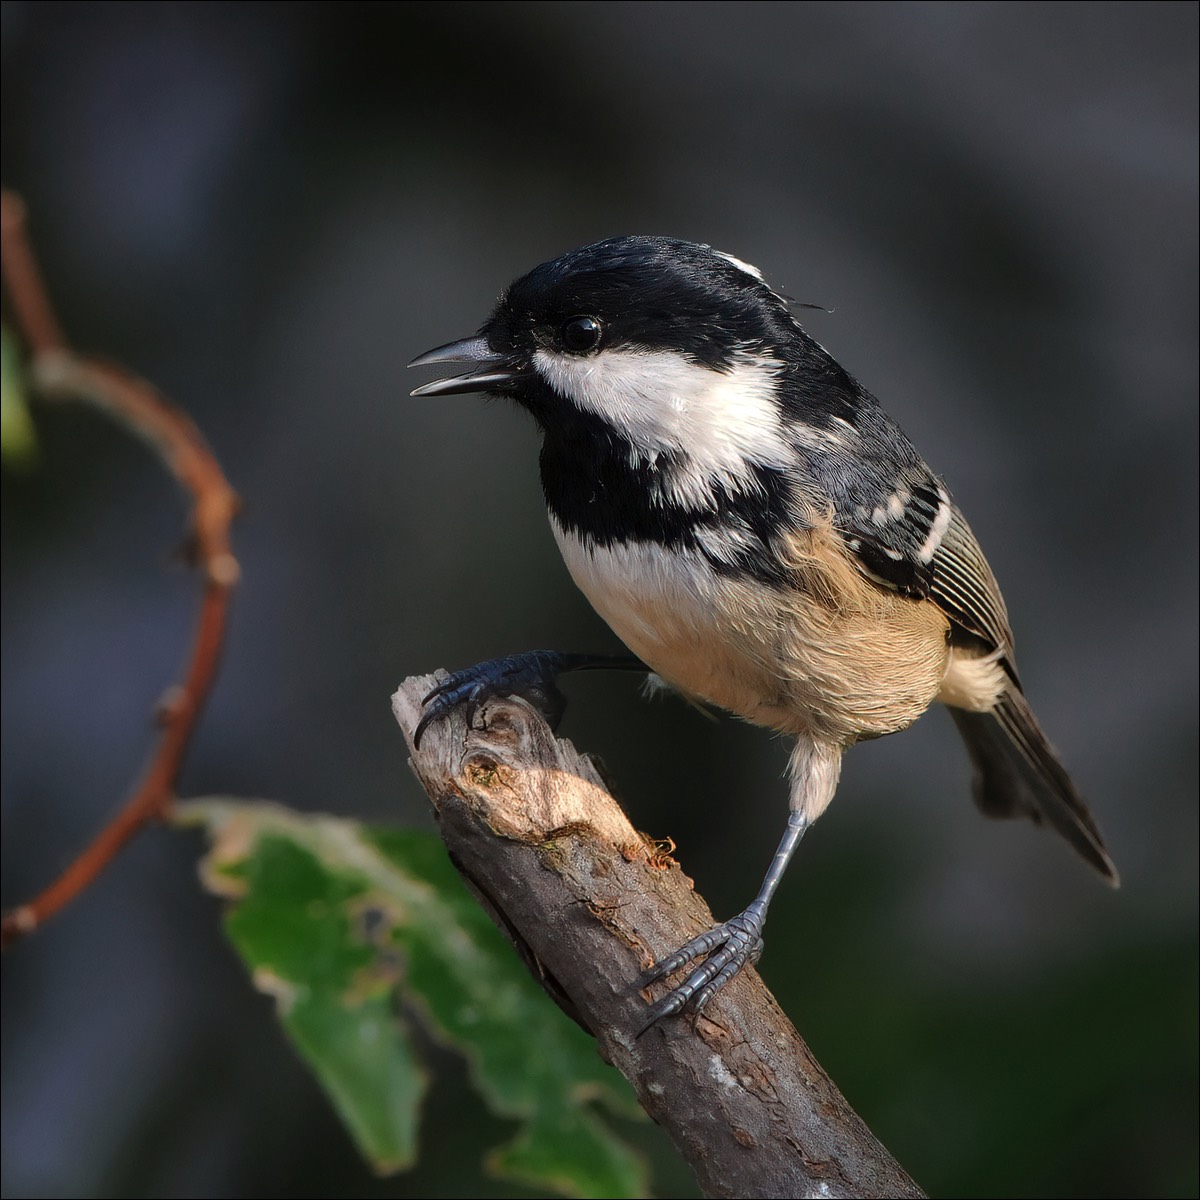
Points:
x=661 y=401
x=724 y=422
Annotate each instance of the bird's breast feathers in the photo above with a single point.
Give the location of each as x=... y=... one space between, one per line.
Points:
x=830 y=655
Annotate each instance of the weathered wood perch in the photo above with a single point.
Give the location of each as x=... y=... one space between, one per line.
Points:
x=590 y=903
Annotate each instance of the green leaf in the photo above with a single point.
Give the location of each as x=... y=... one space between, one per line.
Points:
x=18 y=439
x=357 y=931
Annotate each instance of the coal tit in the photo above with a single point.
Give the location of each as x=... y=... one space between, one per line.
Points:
x=758 y=532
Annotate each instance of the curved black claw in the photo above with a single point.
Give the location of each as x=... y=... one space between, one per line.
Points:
x=531 y=676
x=729 y=948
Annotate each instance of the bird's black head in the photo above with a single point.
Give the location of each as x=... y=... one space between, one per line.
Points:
x=664 y=352
x=674 y=388
x=633 y=295
x=645 y=293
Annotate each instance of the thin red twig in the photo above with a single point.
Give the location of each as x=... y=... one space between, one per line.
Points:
x=59 y=373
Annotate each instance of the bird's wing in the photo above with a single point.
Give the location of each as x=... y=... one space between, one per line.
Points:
x=965 y=589
x=913 y=538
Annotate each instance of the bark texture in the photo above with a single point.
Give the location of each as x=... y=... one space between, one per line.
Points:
x=590 y=903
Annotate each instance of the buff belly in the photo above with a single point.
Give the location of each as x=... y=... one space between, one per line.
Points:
x=836 y=658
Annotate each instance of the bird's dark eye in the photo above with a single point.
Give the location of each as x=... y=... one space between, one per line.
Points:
x=580 y=334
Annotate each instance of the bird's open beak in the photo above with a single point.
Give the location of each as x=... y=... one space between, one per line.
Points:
x=488 y=368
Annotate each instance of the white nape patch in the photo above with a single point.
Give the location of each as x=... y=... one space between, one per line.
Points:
x=741 y=266
x=937 y=530
x=725 y=422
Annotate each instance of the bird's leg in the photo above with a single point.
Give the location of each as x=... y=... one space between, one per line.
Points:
x=533 y=676
x=814 y=769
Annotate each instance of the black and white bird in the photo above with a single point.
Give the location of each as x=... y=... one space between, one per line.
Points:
x=758 y=532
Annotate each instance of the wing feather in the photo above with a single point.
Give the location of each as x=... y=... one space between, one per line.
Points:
x=965 y=589
x=911 y=537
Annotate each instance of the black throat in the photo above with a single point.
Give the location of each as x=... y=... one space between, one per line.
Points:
x=600 y=488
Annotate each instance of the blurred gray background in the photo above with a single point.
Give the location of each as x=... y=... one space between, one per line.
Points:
x=268 y=209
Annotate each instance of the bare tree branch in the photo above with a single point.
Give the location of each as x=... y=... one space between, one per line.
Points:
x=590 y=904
x=58 y=373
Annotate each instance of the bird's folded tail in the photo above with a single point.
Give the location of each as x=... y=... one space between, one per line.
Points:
x=1018 y=774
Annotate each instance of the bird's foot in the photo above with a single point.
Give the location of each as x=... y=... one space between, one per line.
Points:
x=729 y=947
x=532 y=676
